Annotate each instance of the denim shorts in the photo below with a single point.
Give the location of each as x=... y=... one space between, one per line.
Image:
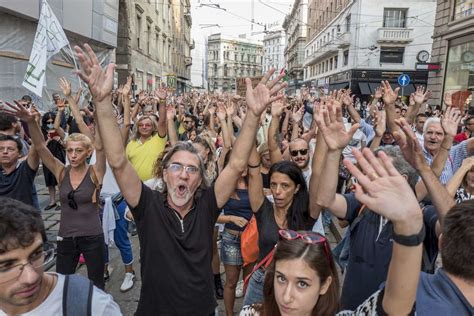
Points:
x=230 y=249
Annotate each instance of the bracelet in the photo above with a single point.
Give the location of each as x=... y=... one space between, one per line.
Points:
x=410 y=241
x=253 y=167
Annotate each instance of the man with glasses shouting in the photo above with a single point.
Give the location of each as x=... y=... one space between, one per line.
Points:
x=25 y=287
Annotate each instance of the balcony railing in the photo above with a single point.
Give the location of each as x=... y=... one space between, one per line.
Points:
x=394 y=35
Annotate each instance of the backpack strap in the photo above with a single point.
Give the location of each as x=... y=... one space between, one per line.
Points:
x=77 y=296
x=359 y=217
x=97 y=184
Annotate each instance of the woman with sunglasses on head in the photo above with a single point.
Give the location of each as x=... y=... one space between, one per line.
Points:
x=80 y=229
x=289 y=209
x=302 y=279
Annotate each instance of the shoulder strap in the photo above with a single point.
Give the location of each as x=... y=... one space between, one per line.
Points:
x=97 y=184
x=77 y=296
x=360 y=215
x=62 y=173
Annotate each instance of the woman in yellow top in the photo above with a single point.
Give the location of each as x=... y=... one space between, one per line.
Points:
x=149 y=140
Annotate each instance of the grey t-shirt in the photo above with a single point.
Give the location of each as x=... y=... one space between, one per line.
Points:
x=18 y=184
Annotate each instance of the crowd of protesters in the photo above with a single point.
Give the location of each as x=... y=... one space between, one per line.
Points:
x=196 y=172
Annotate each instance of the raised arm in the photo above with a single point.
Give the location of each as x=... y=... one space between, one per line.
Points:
x=274 y=138
x=161 y=94
x=170 y=116
x=258 y=99
x=389 y=98
x=387 y=193
x=416 y=101
x=57 y=122
x=317 y=168
x=100 y=160
x=331 y=125
x=256 y=195
x=413 y=153
x=37 y=138
x=100 y=82
x=221 y=115
x=66 y=87
x=125 y=129
x=455 y=182
x=380 y=127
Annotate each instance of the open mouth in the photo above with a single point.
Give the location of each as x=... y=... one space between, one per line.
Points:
x=181 y=189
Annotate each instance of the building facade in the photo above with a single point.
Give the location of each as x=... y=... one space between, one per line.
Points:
x=357 y=43
x=154 y=43
x=274 y=43
x=229 y=58
x=89 y=21
x=295 y=26
x=453 y=48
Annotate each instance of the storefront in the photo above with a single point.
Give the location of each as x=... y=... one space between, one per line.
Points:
x=459 y=76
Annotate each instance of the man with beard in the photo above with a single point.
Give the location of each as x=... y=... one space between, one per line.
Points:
x=436 y=138
x=189 y=124
x=175 y=227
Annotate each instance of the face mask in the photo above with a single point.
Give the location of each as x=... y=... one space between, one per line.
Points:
x=50 y=125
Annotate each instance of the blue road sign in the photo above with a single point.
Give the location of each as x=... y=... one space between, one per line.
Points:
x=403 y=80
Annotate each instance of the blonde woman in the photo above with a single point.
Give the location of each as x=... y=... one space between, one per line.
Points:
x=80 y=229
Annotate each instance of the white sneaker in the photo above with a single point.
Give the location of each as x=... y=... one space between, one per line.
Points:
x=128 y=282
x=239 y=289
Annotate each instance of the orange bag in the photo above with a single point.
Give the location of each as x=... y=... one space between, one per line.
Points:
x=249 y=242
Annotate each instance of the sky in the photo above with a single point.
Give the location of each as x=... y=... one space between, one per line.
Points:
x=233 y=18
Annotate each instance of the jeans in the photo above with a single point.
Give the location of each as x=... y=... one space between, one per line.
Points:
x=121 y=236
x=254 y=292
x=92 y=247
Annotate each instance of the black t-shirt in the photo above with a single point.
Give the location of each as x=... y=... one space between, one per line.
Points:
x=175 y=255
x=268 y=229
x=18 y=184
x=370 y=252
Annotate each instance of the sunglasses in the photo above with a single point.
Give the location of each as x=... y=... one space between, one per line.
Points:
x=303 y=152
x=309 y=238
x=70 y=200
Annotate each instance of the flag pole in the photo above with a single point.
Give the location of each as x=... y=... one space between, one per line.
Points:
x=75 y=64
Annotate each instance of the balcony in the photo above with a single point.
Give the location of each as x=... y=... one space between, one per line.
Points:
x=326 y=50
x=394 y=35
x=344 y=40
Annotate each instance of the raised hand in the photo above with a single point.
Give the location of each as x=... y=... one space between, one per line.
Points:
x=127 y=86
x=277 y=108
x=389 y=95
x=264 y=93
x=297 y=114
x=411 y=100
x=161 y=93
x=448 y=98
x=450 y=121
x=65 y=85
x=381 y=187
x=378 y=93
x=100 y=81
x=78 y=95
x=347 y=100
x=19 y=111
x=332 y=127
x=230 y=109
x=409 y=145
x=420 y=95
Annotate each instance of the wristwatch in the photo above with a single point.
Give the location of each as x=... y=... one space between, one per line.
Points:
x=412 y=240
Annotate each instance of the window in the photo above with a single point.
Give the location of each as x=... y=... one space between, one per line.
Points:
x=345 y=58
x=348 y=23
x=392 y=55
x=165 y=61
x=157 y=46
x=335 y=62
x=148 y=39
x=139 y=30
x=394 y=18
x=463 y=8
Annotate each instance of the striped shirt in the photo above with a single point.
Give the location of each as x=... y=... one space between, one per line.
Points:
x=456 y=155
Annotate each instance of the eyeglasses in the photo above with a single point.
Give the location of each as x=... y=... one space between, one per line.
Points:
x=70 y=200
x=37 y=260
x=303 y=152
x=178 y=168
x=309 y=238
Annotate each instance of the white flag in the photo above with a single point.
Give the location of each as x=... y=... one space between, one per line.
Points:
x=49 y=39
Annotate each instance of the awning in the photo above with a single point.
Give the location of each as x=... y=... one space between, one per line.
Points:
x=364 y=88
x=338 y=86
x=409 y=89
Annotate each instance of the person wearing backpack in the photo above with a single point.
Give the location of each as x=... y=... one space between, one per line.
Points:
x=80 y=229
x=25 y=288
